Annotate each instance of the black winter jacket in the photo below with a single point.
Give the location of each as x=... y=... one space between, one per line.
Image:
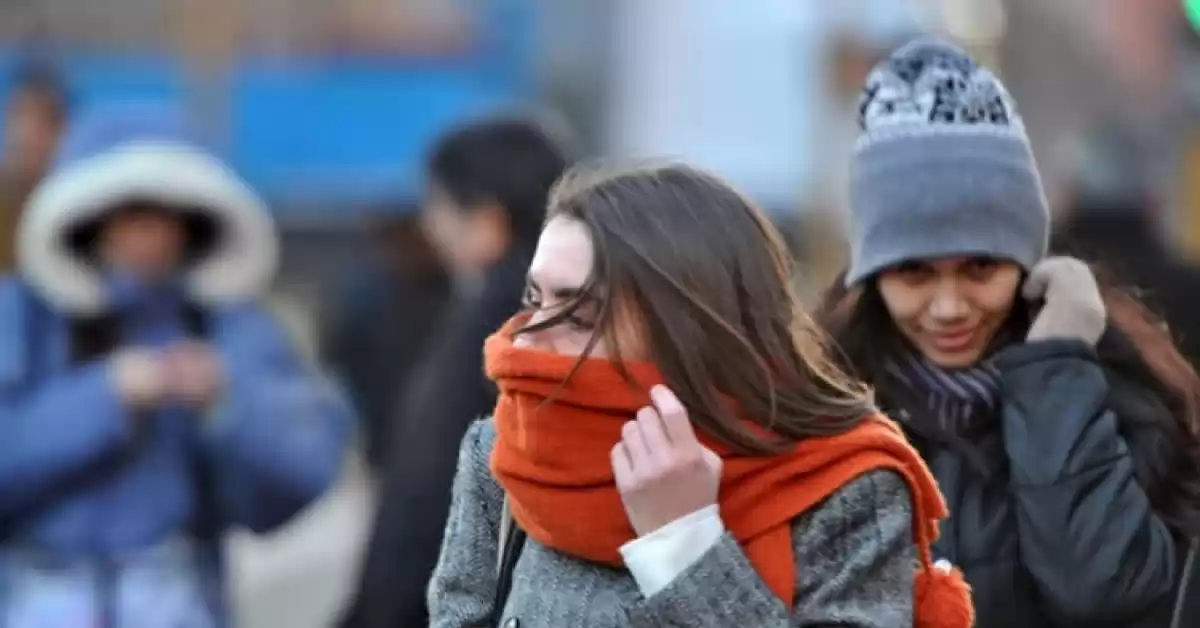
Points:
x=1055 y=530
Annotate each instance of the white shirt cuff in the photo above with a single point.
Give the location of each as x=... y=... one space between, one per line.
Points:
x=658 y=558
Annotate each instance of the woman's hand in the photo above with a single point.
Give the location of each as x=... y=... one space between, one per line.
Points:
x=1073 y=308
x=196 y=373
x=138 y=376
x=662 y=471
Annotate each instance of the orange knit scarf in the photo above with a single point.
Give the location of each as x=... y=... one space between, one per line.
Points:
x=552 y=458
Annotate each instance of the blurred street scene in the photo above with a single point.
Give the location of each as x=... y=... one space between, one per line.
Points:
x=329 y=111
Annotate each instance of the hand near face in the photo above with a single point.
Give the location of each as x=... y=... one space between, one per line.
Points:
x=1072 y=305
x=195 y=373
x=663 y=472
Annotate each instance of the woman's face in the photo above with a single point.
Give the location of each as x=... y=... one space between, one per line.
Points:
x=950 y=309
x=145 y=242
x=560 y=269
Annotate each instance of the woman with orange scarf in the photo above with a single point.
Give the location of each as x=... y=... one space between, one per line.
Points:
x=675 y=442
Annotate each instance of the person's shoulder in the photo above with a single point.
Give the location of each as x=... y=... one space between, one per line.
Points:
x=13 y=291
x=19 y=304
x=473 y=476
x=873 y=491
x=481 y=435
x=859 y=539
x=878 y=498
x=477 y=444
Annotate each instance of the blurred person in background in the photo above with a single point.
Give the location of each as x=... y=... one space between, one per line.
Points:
x=1113 y=217
x=674 y=443
x=860 y=33
x=487 y=184
x=1056 y=413
x=33 y=119
x=149 y=402
x=383 y=317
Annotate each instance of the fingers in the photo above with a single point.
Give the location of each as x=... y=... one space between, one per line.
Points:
x=622 y=467
x=654 y=435
x=635 y=446
x=658 y=438
x=674 y=418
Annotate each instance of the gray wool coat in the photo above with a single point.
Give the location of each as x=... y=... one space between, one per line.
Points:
x=854 y=552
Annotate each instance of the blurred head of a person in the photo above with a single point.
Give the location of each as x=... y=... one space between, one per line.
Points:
x=135 y=198
x=33 y=119
x=670 y=266
x=147 y=240
x=486 y=191
x=1110 y=195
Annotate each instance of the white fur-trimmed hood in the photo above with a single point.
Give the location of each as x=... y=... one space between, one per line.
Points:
x=241 y=265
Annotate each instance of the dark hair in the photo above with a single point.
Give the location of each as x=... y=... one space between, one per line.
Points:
x=708 y=279
x=511 y=162
x=202 y=232
x=1136 y=350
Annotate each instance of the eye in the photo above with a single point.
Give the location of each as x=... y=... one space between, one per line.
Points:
x=573 y=314
x=913 y=271
x=579 y=323
x=979 y=268
x=531 y=299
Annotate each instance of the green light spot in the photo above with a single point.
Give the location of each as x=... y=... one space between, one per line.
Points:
x=1191 y=8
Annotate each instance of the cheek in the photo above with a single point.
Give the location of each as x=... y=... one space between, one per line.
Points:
x=905 y=303
x=441 y=228
x=996 y=298
x=143 y=245
x=561 y=340
x=630 y=344
x=996 y=306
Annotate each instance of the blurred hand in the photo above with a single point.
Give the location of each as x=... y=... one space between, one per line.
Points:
x=139 y=377
x=195 y=373
x=662 y=471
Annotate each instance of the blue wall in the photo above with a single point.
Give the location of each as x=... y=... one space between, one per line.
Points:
x=334 y=134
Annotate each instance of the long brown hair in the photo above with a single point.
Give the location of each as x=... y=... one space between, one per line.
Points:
x=708 y=278
x=1154 y=390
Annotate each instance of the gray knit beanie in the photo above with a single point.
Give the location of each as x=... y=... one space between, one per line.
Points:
x=942 y=166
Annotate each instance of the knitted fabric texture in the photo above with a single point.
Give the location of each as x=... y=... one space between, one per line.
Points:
x=552 y=458
x=942 y=166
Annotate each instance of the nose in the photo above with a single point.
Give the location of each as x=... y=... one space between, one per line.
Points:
x=948 y=303
x=534 y=339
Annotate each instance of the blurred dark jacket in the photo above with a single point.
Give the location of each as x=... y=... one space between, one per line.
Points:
x=1127 y=244
x=381 y=326
x=434 y=413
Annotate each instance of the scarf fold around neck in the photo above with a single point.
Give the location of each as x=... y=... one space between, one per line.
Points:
x=552 y=459
x=956 y=402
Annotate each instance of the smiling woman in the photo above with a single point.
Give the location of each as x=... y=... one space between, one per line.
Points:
x=950 y=308
x=1053 y=408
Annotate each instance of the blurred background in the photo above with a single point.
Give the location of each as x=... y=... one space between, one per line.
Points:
x=328 y=109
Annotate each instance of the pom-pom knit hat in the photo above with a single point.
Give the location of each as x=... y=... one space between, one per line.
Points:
x=942 y=166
